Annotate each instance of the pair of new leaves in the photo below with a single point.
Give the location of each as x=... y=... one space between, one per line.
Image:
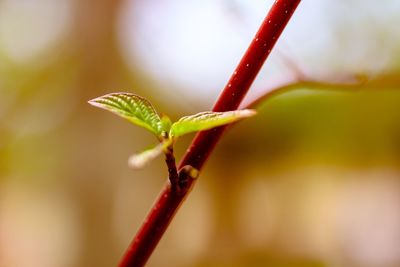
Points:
x=141 y=112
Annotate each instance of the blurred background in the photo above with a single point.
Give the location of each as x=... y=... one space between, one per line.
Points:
x=313 y=180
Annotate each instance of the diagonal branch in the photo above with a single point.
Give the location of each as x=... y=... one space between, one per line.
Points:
x=204 y=142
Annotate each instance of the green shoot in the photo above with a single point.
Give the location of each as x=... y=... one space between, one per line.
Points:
x=132 y=107
x=207 y=120
x=141 y=112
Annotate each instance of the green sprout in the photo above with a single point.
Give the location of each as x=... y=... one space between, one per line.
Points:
x=141 y=112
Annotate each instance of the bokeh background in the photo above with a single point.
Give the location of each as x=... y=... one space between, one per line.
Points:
x=313 y=180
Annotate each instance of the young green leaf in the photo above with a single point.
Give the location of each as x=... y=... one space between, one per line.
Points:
x=138 y=161
x=166 y=124
x=132 y=107
x=207 y=120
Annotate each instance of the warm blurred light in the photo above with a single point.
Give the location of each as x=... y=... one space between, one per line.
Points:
x=195 y=45
x=368 y=218
x=29 y=28
x=257 y=213
x=37 y=228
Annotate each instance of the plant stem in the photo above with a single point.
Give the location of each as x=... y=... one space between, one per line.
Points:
x=173 y=175
x=204 y=142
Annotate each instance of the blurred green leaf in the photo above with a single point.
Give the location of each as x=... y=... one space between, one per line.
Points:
x=134 y=108
x=207 y=120
x=138 y=161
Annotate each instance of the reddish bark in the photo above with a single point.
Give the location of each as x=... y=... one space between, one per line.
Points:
x=202 y=145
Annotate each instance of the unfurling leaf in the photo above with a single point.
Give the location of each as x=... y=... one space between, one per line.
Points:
x=166 y=123
x=207 y=120
x=132 y=107
x=138 y=161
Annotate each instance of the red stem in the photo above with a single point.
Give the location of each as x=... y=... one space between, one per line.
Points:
x=202 y=145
